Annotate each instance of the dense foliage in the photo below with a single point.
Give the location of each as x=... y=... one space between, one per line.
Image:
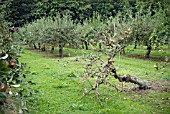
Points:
x=20 y=12
x=12 y=72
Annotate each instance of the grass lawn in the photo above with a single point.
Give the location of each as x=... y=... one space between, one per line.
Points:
x=58 y=87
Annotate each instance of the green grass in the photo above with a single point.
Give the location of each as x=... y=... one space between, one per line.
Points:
x=59 y=88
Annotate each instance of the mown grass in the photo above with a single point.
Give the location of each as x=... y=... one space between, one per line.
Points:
x=58 y=88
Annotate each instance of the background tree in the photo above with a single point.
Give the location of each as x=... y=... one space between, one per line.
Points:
x=18 y=12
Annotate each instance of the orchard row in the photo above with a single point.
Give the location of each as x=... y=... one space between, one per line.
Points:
x=141 y=29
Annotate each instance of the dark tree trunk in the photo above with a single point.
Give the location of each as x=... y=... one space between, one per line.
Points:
x=136 y=40
x=86 y=45
x=132 y=79
x=149 y=48
x=60 y=50
x=135 y=45
x=35 y=47
x=100 y=47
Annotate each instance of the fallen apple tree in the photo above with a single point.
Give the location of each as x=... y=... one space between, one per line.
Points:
x=101 y=69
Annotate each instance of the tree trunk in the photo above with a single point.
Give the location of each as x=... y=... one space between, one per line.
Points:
x=35 y=47
x=132 y=79
x=86 y=44
x=136 y=41
x=100 y=47
x=128 y=78
x=135 y=45
x=149 y=48
x=60 y=50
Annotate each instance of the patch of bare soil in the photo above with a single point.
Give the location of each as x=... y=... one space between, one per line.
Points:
x=152 y=58
x=158 y=86
x=46 y=54
x=8 y=107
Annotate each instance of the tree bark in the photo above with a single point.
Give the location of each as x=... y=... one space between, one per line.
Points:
x=127 y=78
x=149 y=48
x=60 y=50
x=86 y=45
x=136 y=43
x=132 y=79
x=39 y=46
x=35 y=47
x=136 y=40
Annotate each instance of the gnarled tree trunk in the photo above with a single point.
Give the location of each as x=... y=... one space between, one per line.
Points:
x=129 y=78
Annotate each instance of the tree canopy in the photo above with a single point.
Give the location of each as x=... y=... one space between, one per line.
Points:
x=20 y=12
